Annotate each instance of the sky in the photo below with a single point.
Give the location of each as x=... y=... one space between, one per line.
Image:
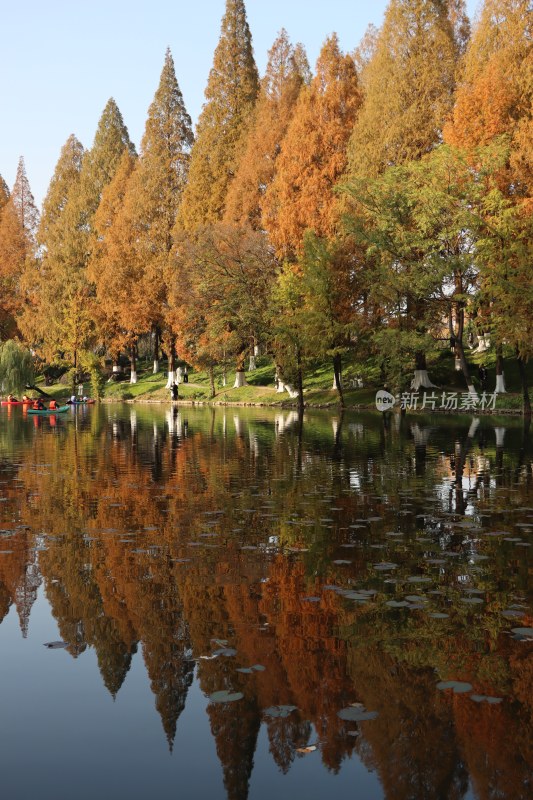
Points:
x=61 y=60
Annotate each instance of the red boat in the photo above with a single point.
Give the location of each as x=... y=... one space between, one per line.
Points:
x=17 y=402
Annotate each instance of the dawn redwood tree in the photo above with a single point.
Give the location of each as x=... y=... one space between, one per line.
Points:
x=42 y=280
x=114 y=270
x=4 y=193
x=287 y=70
x=409 y=84
x=74 y=328
x=313 y=154
x=152 y=199
x=230 y=95
x=19 y=219
x=495 y=99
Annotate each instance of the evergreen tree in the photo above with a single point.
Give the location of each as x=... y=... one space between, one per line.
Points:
x=287 y=70
x=313 y=153
x=409 y=84
x=230 y=98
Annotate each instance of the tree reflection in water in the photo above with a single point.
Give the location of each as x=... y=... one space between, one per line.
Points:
x=190 y=533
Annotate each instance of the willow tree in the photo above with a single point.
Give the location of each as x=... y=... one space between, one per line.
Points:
x=409 y=84
x=230 y=95
x=19 y=219
x=286 y=72
x=313 y=154
x=153 y=197
x=16 y=367
x=495 y=99
x=41 y=287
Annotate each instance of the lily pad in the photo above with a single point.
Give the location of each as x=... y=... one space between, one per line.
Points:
x=225 y=696
x=228 y=652
x=354 y=714
x=279 y=711
x=523 y=633
x=55 y=645
x=459 y=687
x=439 y=615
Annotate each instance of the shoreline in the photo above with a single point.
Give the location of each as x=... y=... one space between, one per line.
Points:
x=510 y=412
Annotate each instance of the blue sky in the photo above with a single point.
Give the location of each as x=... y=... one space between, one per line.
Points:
x=61 y=60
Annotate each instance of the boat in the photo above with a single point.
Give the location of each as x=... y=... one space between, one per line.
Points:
x=80 y=402
x=47 y=411
x=17 y=402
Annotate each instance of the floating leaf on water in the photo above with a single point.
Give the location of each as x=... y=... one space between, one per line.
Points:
x=353 y=733
x=246 y=670
x=415 y=598
x=435 y=560
x=363 y=598
x=220 y=642
x=397 y=603
x=228 y=652
x=439 y=615
x=279 y=711
x=472 y=600
x=459 y=687
x=418 y=579
x=55 y=645
x=341 y=561
x=523 y=633
x=354 y=714
x=385 y=566
x=510 y=613
x=258 y=667
x=483 y=698
x=311 y=599
x=225 y=696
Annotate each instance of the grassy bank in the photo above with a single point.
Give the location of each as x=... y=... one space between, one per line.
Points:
x=318 y=382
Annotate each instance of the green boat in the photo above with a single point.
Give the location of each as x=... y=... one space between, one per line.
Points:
x=48 y=411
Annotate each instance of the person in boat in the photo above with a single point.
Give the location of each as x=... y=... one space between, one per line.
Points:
x=11 y=398
x=25 y=398
x=38 y=405
x=73 y=399
x=52 y=405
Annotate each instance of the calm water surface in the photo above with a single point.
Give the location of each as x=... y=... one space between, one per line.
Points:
x=230 y=604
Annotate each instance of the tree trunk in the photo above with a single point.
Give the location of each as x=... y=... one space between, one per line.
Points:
x=240 y=379
x=459 y=348
x=133 y=358
x=526 y=402
x=156 y=349
x=500 y=379
x=299 y=383
x=171 y=376
x=337 y=377
x=212 y=381
x=421 y=377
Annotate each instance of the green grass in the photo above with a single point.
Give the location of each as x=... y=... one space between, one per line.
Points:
x=318 y=380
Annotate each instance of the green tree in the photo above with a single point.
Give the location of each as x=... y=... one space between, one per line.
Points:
x=409 y=84
x=230 y=95
x=16 y=366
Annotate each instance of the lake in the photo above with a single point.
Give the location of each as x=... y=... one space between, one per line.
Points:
x=236 y=603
